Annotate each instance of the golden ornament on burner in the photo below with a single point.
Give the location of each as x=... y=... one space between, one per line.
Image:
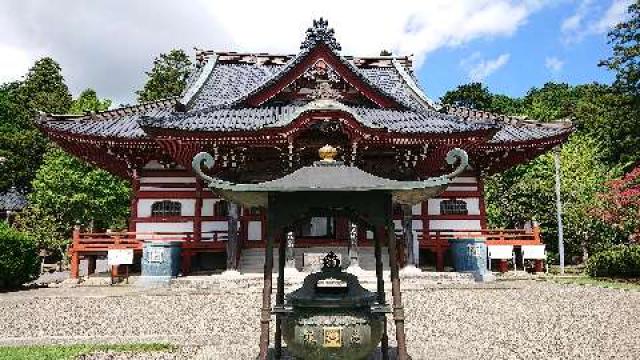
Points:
x=327 y=153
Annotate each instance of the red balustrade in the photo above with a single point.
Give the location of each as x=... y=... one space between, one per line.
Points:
x=91 y=245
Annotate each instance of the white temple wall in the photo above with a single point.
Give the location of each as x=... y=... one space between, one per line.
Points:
x=431 y=218
x=164 y=226
x=454 y=225
x=208 y=205
x=144 y=206
x=473 y=205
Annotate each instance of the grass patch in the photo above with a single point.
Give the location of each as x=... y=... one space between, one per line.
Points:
x=623 y=284
x=65 y=352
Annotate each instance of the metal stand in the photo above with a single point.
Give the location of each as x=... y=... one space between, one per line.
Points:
x=232 y=236
x=282 y=250
x=265 y=316
x=384 y=343
x=398 y=309
x=353 y=245
x=290 y=252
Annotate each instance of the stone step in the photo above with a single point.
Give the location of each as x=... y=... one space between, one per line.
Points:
x=252 y=260
x=254 y=281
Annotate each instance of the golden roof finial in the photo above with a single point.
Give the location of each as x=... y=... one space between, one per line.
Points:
x=327 y=153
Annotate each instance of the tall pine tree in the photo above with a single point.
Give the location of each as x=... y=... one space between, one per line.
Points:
x=21 y=144
x=167 y=78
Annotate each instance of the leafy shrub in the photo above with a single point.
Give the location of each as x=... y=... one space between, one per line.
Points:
x=618 y=261
x=19 y=260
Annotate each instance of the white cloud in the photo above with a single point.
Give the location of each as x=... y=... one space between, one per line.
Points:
x=479 y=68
x=615 y=14
x=14 y=63
x=417 y=27
x=108 y=45
x=553 y=64
x=593 y=19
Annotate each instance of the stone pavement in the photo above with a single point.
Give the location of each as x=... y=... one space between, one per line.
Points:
x=520 y=319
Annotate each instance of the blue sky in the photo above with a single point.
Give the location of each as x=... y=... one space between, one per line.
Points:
x=538 y=52
x=510 y=45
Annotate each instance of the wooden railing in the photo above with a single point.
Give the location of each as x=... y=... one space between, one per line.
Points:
x=87 y=242
x=491 y=236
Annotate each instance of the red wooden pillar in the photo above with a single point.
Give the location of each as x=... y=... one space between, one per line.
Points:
x=135 y=187
x=91 y=266
x=440 y=258
x=75 y=257
x=115 y=271
x=197 y=218
x=342 y=228
x=538 y=267
x=536 y=232
x=187 y=252
x=503 y=266
x=75 y=265
x=483 y=209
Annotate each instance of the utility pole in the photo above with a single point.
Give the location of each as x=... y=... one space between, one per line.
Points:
x=556 y=157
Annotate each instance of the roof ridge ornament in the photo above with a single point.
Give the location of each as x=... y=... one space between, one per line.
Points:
x=320 y=32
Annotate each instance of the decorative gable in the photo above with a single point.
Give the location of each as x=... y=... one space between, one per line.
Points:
x=319 y=72
x=320 y=81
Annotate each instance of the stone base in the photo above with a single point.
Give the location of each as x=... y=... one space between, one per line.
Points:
x=291 y=271
x=355 y=269
x=70 y=282
x=153 y=281
x=231 y=274
x=484 y=276
x=410 y=270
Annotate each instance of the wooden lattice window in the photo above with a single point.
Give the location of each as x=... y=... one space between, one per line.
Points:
x=166 y=208
x=453 y=207
x=221 y=208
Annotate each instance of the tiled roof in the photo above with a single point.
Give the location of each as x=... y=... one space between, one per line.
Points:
x=12 y=200
x=118 y=123
x=229 y=84
x=213 y=98
x=428 y=121
x=513 y=129
x=130 y=125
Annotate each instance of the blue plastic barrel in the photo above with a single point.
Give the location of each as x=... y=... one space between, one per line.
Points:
x=469 y=255
x=161 y=259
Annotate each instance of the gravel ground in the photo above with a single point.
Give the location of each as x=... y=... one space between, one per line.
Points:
x=524 y=320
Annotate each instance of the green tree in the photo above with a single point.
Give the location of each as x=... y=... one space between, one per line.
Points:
x=19 y=261
x=477 y=96
x=527 y=192
x=167 y=78
x=473 y=95
x=44 y=89
x=506 y=105
x=12 y=116
x=88 y=101
x=67 y=191
x=553 y=101
x=611 y=117
x=625 y=61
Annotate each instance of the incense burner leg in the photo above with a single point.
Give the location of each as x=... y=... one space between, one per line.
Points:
x=398 y=309
x=384 y=343
x=282 y=255
x=265 y=317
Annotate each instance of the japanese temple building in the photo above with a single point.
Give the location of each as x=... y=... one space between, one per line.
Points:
x=263 y=116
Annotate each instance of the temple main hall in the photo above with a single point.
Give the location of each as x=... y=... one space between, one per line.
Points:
x=263 y=116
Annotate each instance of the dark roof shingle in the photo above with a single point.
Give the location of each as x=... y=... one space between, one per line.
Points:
x=12 y=200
